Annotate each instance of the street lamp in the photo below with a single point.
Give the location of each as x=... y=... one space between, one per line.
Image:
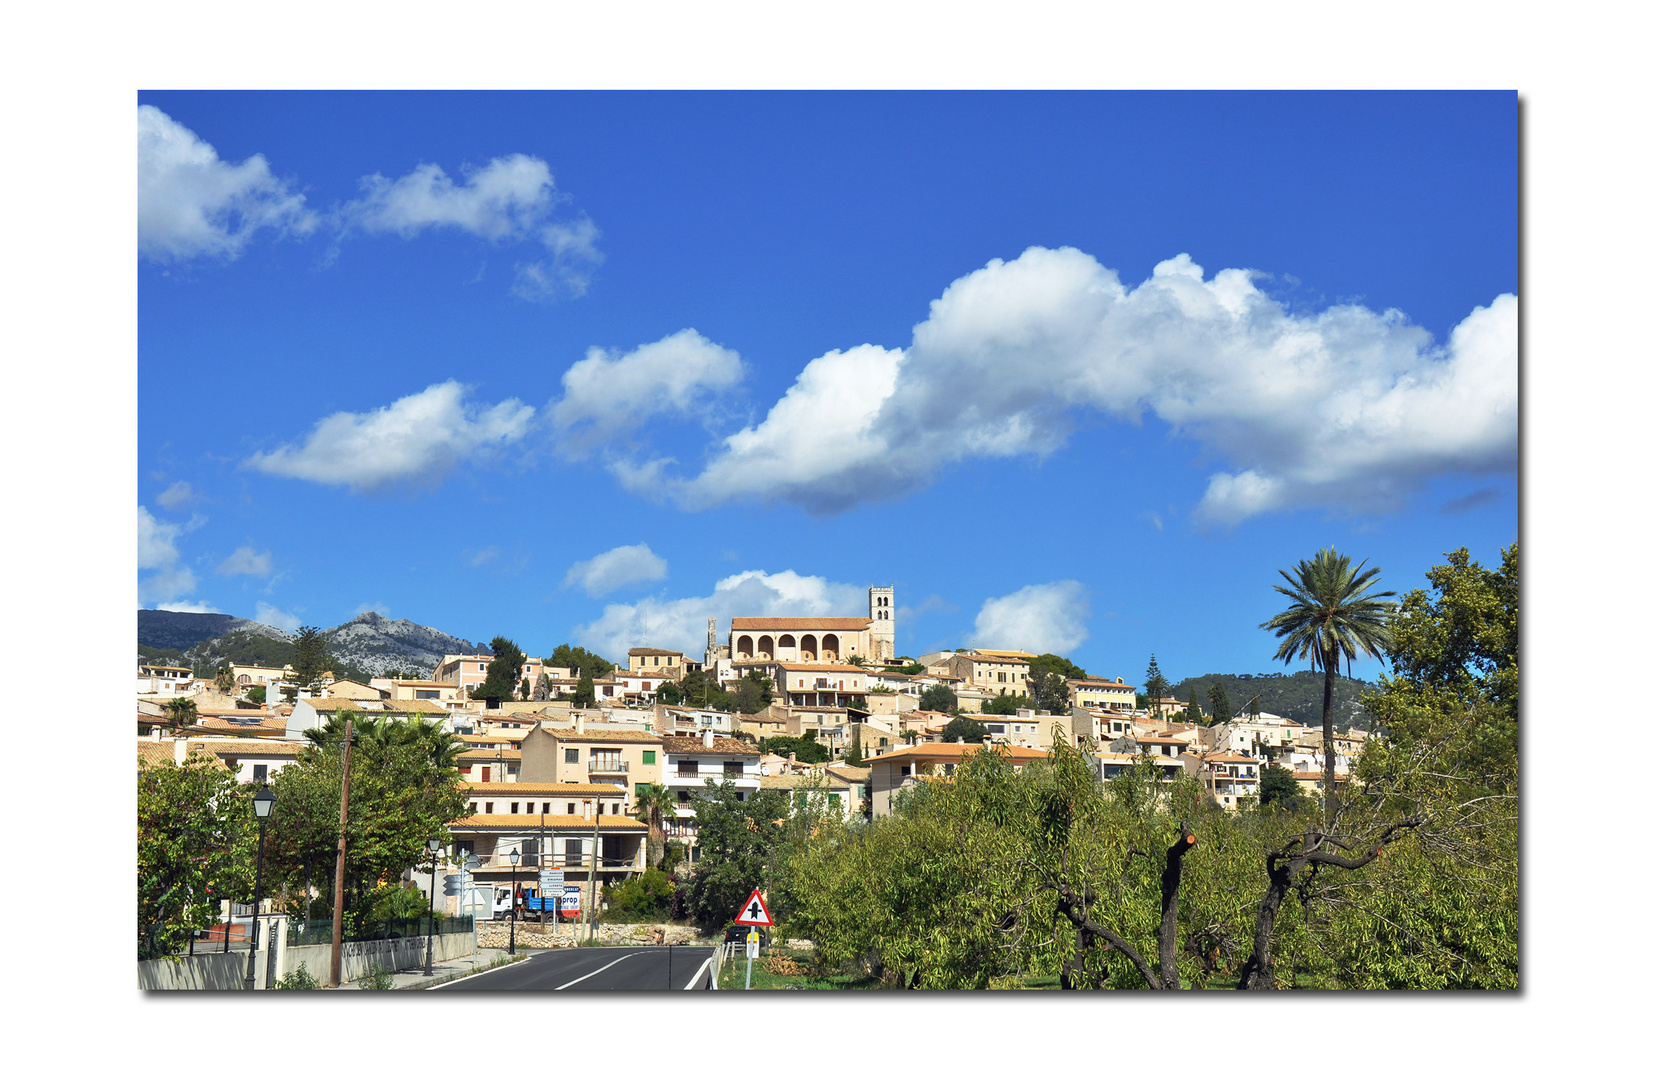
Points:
x=263 y=803
x=433 y=846
x=511 y=943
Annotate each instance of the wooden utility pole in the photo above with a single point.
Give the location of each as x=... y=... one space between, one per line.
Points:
x=597 y=812
x=339 y=861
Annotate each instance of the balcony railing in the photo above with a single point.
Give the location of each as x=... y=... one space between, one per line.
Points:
x=598 y=768
x=563 y=862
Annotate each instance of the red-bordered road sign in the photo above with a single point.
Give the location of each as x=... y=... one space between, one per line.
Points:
x=754 y=912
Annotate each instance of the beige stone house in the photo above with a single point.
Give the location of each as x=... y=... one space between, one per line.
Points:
x=591 y=754
x=890 y=773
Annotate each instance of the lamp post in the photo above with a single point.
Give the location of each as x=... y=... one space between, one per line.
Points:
x=511 y=942
x=433 y=846
x=263 y=803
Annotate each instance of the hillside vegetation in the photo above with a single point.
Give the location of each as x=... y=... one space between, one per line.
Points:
x=1297 y=695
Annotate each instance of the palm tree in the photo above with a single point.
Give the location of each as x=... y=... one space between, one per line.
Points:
x=181 y=711
x=1332 y=615
x=652 y=805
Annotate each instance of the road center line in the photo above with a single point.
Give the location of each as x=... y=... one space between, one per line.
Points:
x=590 y=974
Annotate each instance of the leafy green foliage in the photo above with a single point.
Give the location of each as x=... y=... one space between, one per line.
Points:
x=501 y=680
x=196 y=846
x=647 y=897
x=1062 y=665
x=854 y=754
x=1193 y=711
x=1004 y=704
x=804 y=747
x=586 y=694
x=1297 y=695
x=576 y=658
x=914 y=668
x=1155 y=683
x=964 y=727
x=310 y=656
x=739 y=840
x=1220 y=702
x=404 y=791
x=1277 y=787
x=1050 y=692
x=751 y=693
x=299 y=978
x=939 y=698
x=257 y=694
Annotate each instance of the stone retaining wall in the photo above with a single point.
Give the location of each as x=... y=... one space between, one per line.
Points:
x=494 y=935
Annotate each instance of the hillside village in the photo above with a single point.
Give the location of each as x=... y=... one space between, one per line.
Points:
x=562 y=764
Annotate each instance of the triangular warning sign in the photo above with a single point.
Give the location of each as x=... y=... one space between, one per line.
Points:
x=754 y=912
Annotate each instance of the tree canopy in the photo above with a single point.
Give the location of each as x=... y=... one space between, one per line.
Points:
x=939 y=698
x=196 y=838
x=803 y=747
x=1220 y=702
x=310 y=656
x=1155 y=684
x=502 y=678
x=576 y=658
x=1062 y=665
x=965 y=727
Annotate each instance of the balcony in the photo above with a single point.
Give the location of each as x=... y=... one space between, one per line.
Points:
x=607 y=767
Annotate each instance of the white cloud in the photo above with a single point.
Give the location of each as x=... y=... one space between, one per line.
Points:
x=1347 y=408
x=608 y=394
x=378 y=607
x=180 y=494
x=244 y=560
x=191 y=203
x=682 y=624
x=158 y=552
x=157 y=541
x=615 y=568
x=418 y=439
x=509 y=200
x=1036 y=618
x=274 y=616
x=478 y=558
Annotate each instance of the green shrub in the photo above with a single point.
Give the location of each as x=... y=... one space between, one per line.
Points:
x=645 y=898
x=298 y=979
x=377 y=979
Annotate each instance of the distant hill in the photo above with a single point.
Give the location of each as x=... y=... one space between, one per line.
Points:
x=363 y=648
x=372 y=645
x=1297 y=695
x=182 y=629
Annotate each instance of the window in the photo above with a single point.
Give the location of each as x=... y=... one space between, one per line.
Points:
x=690 y=767
x=649 y=757
x=514 y=808
x=684 y=797
x=833 y=800
x=604 y=761
x=906 y=769
x=572 y=849
x=259 y=772
x=571 y=810
x=474 y=808
x=546 y=808
x=733 y=768
x=488 y=808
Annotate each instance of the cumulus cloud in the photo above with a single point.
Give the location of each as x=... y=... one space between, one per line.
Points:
x=191 y=203
x=1036 y=618
x=682 y=623
x=416 y=440
x=609 y=394
x=185 y=605
x=1347 y=408
x=170 y=579
x=615 y=568
x=274 y=616
x=179 y=494
x=509 y=200
x=244 y=560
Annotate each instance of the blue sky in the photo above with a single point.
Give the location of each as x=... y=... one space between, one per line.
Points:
x=593 y=366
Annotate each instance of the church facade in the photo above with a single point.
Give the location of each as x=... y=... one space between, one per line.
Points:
x=815 y=639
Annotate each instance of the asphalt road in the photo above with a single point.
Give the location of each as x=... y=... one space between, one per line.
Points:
x=641 y=968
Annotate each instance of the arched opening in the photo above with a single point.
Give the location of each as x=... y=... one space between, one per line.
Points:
x=786 y=647
x=808 y=647
x=744 y=647
x=830 y=646
x=767 y=648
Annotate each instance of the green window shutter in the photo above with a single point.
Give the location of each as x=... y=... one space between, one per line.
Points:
x=649 y=757
x=833 y=798
x=641 y=788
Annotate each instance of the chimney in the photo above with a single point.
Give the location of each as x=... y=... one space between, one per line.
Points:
x=707 y=739
x=961 y=740
x=793 y=760
x=987 y=741
x=580 y=722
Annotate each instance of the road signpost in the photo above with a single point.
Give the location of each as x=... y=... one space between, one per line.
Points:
x=551 y=892
x=754 y=914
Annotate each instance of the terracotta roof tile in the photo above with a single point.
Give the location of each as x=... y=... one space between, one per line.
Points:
x=691 y=744
x=798 y=624
x=498 y=788
x=606 y=822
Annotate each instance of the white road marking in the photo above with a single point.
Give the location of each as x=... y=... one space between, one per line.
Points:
x=590 y=974
x=691 y=985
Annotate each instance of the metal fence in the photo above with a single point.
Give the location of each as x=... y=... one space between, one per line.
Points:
x=320 y=931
